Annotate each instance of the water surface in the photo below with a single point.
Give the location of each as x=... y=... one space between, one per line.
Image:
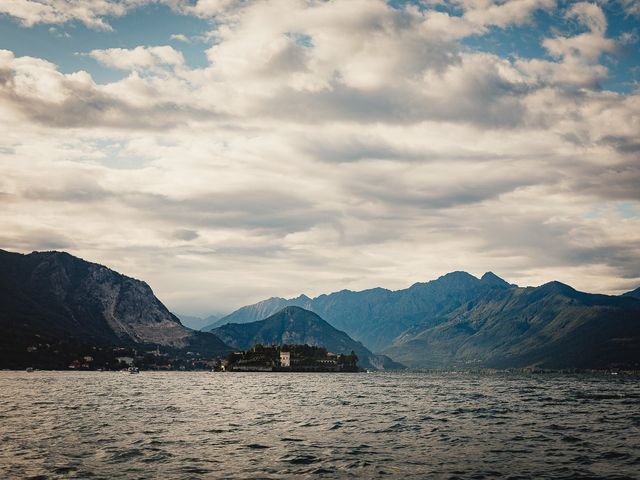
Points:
x=263 y=425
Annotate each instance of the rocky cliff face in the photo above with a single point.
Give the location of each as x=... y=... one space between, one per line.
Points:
x=54 y=295
x=295 y=325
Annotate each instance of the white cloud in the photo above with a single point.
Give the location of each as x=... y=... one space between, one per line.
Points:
x=486 y=13
x=341 y=144
x=91 y=13
x=590 y=15
x=631 y=7
x=180 y=37
x=139 y=57
x=586 y=47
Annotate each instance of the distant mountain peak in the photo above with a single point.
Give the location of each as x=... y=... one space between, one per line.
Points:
x=456 y=277
x=293 y=310
x=271 y=299
x=493 y=279
x=558 y=287
x=457 y=274
x=633 y=293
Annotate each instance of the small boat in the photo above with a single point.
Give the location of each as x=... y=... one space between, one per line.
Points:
x=133 y=370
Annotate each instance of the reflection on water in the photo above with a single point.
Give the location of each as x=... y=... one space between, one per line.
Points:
x=248 y=425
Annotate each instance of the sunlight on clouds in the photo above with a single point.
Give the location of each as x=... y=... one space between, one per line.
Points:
x=342 y=144
x=139 y=57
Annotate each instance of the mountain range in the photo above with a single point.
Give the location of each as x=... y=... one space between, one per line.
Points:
x=59 y=303
x=295 y=325
x=460 y=320
x=56 y=301
x=551 y=326
x=377 y=316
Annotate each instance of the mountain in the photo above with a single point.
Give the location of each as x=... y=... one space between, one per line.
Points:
x=198 y=323
x=551 y=326
x=210 y=322
x=53 y=297
x=633 y=293
x=260 y=310
x=377 y=316
x=295 y=325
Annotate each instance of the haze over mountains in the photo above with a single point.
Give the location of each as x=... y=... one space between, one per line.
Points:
x=199 y=323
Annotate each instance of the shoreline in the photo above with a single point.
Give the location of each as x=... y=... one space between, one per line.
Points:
x=432 y=371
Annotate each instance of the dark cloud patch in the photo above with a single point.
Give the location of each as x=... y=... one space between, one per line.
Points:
x=262 y=210
x=78 y=192
x=617 y=182
x=402 y=193
x=355 y=148
x=292 y=58
x=623 y=144
x=185 y=234
x=556 y=244
x=359 y=148
x=85 y=105
x=28 y=240
x=488 y=104
x=92 y=109
x=263 y=251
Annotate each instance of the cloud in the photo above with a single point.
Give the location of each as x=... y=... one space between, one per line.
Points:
x=577 y=56
x=343 y=144
x=185 y=234
x=588 y=46
x=210 y=8
x=92 y=14
x=36 y=90
x=487 y=13
x=139 y=58
x=631 y=7
x=179 y=37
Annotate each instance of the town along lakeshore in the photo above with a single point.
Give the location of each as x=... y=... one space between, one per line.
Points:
x=291 y=358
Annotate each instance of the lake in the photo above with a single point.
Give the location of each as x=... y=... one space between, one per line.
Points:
x=291 y=425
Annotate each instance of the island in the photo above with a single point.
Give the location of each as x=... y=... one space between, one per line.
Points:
x=290 y=358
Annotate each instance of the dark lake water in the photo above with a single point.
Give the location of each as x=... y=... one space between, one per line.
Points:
x=263 y=425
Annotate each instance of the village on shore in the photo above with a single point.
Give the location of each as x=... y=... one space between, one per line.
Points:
x=259 y=358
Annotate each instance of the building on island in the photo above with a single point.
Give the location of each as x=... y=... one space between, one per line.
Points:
x=125 y=360
x=291 y=358
x=285 y=359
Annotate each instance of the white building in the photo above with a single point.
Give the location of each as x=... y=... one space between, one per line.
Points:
x=127 y=360
x=285 y=359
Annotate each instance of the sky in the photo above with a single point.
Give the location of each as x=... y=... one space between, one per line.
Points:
x=227 y=151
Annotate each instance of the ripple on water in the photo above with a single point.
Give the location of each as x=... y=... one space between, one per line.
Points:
x=401 y=425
